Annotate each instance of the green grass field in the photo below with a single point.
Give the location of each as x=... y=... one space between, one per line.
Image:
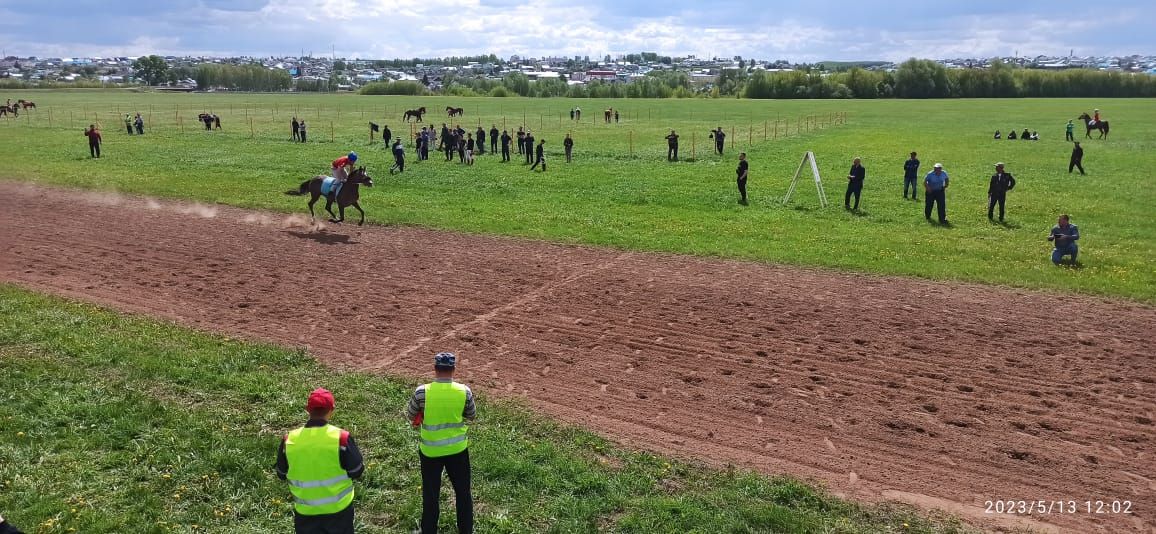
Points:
x=621 y=192
x=116 y=424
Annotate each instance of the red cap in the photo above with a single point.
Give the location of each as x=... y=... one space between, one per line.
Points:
x=320 y=399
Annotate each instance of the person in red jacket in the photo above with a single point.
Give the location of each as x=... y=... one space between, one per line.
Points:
x=94 y=140
x=341 y=168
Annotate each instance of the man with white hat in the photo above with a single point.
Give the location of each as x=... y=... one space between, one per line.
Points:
x=935 y=192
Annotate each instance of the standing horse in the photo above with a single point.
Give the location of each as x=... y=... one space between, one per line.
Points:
x=26 y=103
x=607 y=113
x=414 y=113
x=1102 y=126
x=348 y=195
x=455 y=111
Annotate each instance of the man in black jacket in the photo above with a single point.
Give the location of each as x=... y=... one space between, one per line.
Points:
x=494 y=138
x=529 y=149
x=540 y=156
x=672 y=146
x=506 y=145
x=1077 y=160
x=1001 y=183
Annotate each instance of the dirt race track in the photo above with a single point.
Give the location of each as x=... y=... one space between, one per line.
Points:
x=937 y=394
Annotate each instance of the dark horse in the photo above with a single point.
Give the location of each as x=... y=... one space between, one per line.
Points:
x=348 y=195
x=455 y=111
x=26 y=103
x=417 y=113
x=4 y=110
x=1102 y=126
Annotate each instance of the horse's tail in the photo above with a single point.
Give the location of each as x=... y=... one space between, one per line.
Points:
x=301 y=190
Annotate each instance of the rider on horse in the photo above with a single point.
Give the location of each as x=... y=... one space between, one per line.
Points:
x=341 y=168
x=1095 y=118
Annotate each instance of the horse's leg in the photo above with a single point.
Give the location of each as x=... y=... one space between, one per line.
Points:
x=329 y=208
x=341 y=212
x=313 y=201
x=362 y=212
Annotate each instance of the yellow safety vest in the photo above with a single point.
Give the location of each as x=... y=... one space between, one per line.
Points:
x=443 y=429
x=316 y=479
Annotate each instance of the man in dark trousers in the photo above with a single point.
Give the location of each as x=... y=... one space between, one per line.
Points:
x=301 y=131
x=320 y=460
x=1001 y=183
x=719 y=136
x=506 y=145
x=441 y=409
x=445 y=136
x=481 y=141
x=295 y=126
x=398 y=157
x=935 y=192
x=568 y=145
x=494 y=138
x=1077 y=160
x=94 y=140
x=521 y=139
x=529 y=146
x=540 y=156
x=386 y=135
x=910 y=175
x=672 y=146
x=855 y=179
x=450 y=143
x=1064 y=235
x=741 y=177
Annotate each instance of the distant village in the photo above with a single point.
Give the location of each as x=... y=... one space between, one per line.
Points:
x=336 y=74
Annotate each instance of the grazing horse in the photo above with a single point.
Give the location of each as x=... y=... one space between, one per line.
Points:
x=348 y=195
x=455 y=111
x=26 y=103
x=417 y=113
x=1102 y=126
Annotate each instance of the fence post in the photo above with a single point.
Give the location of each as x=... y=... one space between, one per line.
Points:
x=732 y=137
x=252 y=133
x=751 y=135
x=764 y=130
x=631 y=137
x=692 y=135
x=331 y=131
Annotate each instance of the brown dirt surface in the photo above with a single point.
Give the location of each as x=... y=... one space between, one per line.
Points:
x=943 y=395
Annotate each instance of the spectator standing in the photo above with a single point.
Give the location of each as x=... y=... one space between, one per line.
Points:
x=568 y=145
x=540 y=156
x=1077 y=160
x=935 y=192
x=910 y=174
x=441 y=409
x=386 y=135
x=320 y=461
x=128 y=123
x=616 y=116
x=470 y=146
x=719 y=139
x=481 y=141
x=494 y=138
x=1001 y=183
x=529 y=147
x=461 y=138
x=94 y=140
x=139 y=123
x=295 y=127
x=672 y=146
x=1065 y=235
x=521 y=139
x=302 y=132
x=855 y=178
x=741 y=177
x=506 y=145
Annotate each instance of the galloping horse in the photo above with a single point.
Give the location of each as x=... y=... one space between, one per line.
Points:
x=348 y=195
x=4 y=110
x=1102 y=126
x=455 y=111
x=414 y=113
x=26 y=103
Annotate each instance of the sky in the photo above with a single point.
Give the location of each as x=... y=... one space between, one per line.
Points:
x=769 y=30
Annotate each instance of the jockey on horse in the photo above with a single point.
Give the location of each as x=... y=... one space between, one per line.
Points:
x=1095 y=118
x=341 y=168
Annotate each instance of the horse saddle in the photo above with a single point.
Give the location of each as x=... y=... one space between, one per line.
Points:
x=328 y=184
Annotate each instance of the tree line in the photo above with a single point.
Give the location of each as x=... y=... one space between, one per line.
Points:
x=915 y=78
x=921 y=78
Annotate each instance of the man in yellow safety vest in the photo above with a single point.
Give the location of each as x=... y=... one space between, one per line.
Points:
x=320 y=462
x=441 y=409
